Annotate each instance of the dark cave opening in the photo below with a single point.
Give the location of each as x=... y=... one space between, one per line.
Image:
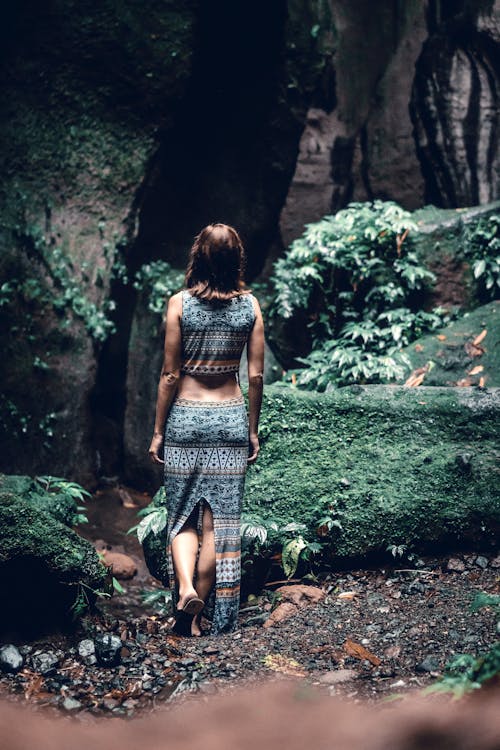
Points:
x=229 y=156
x=220 y=162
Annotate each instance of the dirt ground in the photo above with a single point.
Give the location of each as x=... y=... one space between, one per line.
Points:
x=366 y=636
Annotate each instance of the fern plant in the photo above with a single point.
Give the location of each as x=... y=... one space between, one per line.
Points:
x=482 y=251
x=261 y=538
x=465 y=672
x=362 y=287
x=159 y=280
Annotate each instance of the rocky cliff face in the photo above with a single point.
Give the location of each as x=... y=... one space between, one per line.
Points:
x=455 y=104
x=417 y=114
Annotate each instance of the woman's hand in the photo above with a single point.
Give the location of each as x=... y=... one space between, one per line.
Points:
x=155 y=449
x=253 y=449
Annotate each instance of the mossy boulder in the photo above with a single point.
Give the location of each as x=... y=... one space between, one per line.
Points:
x=391 y=465
x=465 y=353
x=61 y=506
x=440 y=243
x=46 y=568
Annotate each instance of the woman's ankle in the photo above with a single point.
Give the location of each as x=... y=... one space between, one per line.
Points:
x=185 y=593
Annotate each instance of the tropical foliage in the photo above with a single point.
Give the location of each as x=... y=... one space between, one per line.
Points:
x=362 y=287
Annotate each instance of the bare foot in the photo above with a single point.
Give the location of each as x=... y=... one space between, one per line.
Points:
x=185 y=595
x=195 y=626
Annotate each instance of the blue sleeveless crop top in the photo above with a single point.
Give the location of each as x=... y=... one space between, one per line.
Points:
x=214 y=334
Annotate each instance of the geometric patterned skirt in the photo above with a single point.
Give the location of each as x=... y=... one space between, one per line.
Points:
x=205 y=452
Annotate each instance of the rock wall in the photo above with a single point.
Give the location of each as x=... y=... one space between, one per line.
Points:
x=417 y=114
x=455 y=104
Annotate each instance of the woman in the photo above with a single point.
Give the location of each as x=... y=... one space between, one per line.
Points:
x=204 y=430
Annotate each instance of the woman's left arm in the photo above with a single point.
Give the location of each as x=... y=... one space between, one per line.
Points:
x=170 y=374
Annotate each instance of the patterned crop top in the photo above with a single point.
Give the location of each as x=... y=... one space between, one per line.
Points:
x=214 y=335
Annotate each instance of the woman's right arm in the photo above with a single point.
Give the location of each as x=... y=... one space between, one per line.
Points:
x=255 y=358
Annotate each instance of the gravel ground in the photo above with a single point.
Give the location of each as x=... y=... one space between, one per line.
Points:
x=394 y=631
x=371 y=635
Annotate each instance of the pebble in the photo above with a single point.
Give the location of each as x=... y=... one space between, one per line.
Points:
x=374 y=598
x=337 y=676
x=481 y=561
x=71 y=704
x=86 y=650
x=429 y=664
x=107 y=649
x=211 y=650
x=455 y=564
x=416 y=587
x=45 y=663
x=188 y=662
x=11 y=659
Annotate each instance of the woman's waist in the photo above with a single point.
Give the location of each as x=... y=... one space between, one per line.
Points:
x=208 y=387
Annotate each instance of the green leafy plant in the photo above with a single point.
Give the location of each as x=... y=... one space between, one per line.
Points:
x=63 y=289
x=482 y=251
x=159 y=599
x=263 y=538
x=114 y=581
x=465 y=672
x=85 y=597
x=159 y=280
x=60 y=486
x=362 y=287
x=18 y=423
x=154 y=520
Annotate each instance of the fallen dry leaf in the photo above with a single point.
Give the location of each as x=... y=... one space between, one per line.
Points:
x=300 y=594
x=282 y=612
x=481 y=382
x=283 y=664
x=415 y=380
x=346 y=595
x=34 y=683
x=464 y=383
x=418 y=375
x=360 y=652
x=475 y=370
x=480 y=337
x=472 y=349
x=418 y=348
x=441 y=337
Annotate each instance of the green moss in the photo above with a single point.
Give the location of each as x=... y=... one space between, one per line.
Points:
x=453 y=355
x=387 y=462
x=62 y=507
x=44 y=565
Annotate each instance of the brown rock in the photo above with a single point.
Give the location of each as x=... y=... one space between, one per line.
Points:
x=123 y=566
x=337 y=676
x=301 y=595
x=282 y=612
x=392 y=652
x=455 y=564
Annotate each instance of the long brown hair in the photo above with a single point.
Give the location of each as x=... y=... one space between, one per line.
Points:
x=216 y=264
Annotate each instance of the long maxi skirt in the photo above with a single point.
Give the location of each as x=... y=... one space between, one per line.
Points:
x=206 y=451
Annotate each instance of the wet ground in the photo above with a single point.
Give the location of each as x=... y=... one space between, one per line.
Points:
x=371 y=634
